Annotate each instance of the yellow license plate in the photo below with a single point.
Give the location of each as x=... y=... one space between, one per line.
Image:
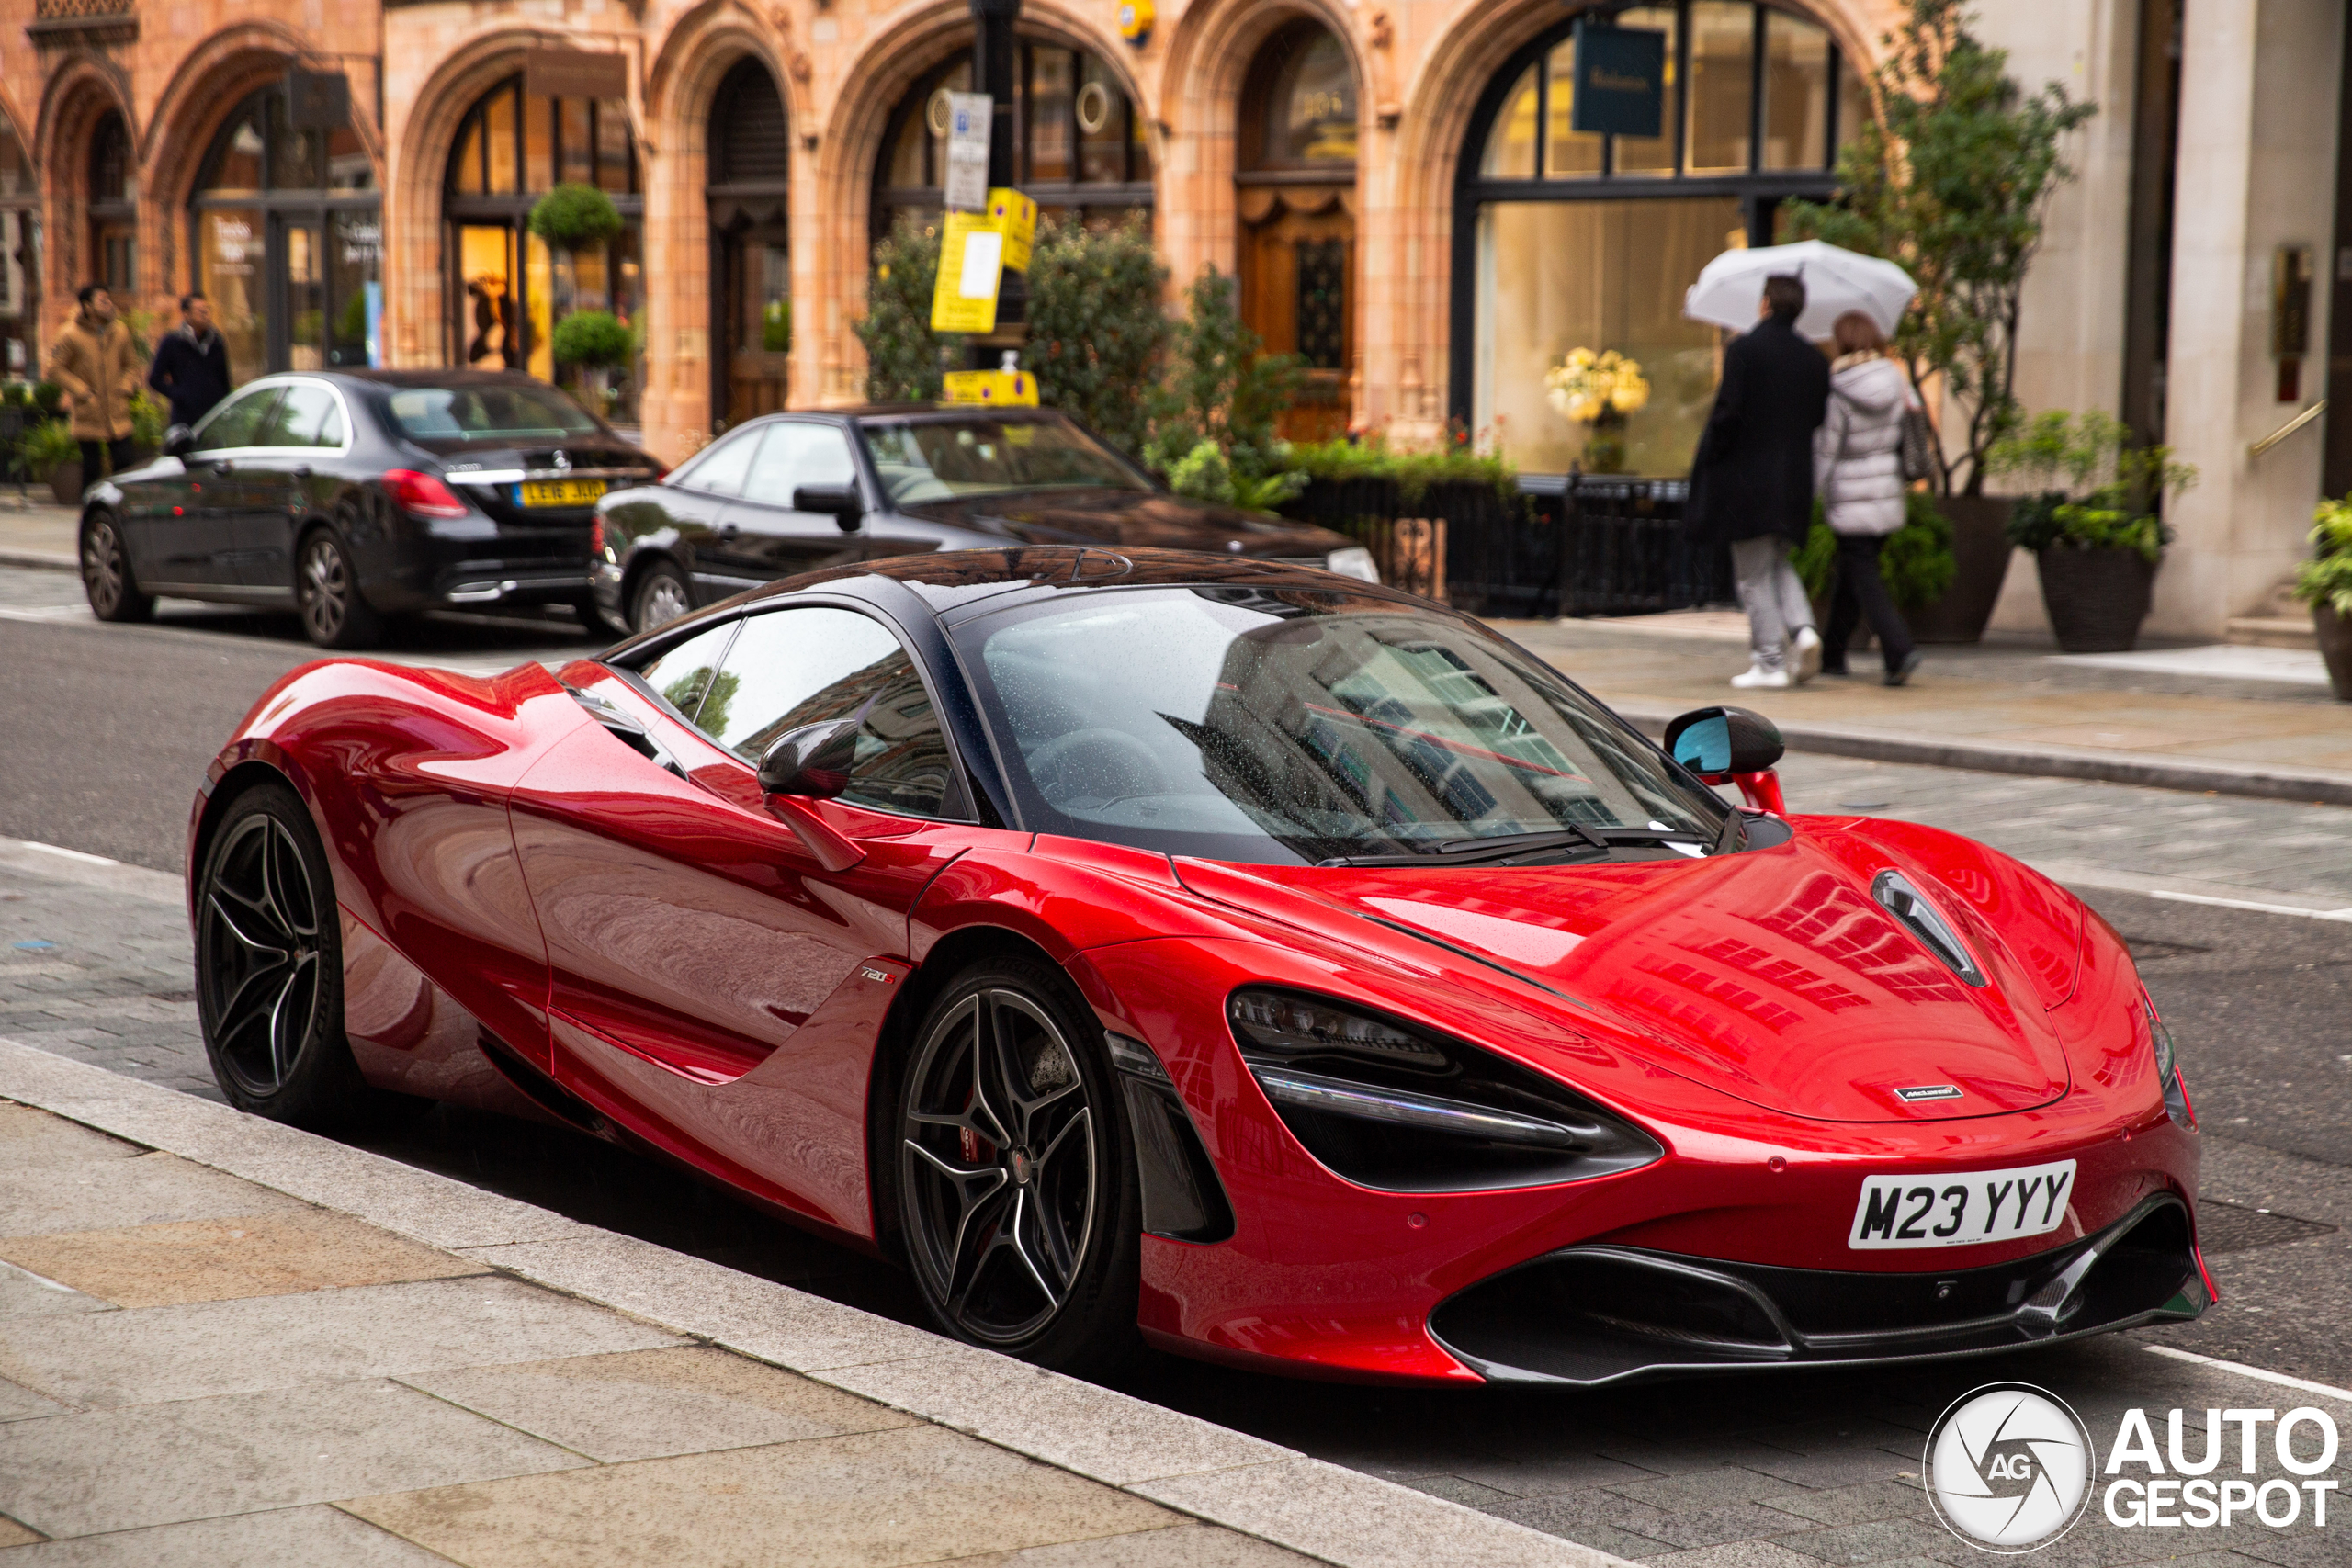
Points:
x=562 y=492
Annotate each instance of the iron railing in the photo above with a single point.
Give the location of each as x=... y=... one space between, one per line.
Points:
x=77 y=10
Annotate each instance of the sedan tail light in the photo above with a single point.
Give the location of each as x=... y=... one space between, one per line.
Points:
x=422 y=495
x=595 y=538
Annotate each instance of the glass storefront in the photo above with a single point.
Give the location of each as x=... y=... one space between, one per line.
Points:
x=19 y=260
x=288 y=237
x=508 y=290
x=1567 y=239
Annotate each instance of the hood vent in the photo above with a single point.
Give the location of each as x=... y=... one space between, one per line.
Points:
x=1907 y=903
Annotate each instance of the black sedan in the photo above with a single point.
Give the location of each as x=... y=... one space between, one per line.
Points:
x=353 y=495
x=789 y=493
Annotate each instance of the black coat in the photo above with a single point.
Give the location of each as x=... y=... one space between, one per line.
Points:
x=1753 y=472
x=192 y=378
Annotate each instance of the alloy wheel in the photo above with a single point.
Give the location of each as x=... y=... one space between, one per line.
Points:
x=103 y=566
x=663 y=600
x=325 y=589
x=261 y=940
x=997 y=1163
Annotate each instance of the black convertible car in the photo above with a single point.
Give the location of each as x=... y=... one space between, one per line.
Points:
x=790 y=493
x=352 y=495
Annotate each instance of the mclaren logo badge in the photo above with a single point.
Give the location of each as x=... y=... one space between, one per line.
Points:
x=1927 y=1091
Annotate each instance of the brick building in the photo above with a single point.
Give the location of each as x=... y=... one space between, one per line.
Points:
x=1396 y=183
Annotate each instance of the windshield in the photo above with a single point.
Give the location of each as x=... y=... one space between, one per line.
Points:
x=948 y=459
x=1235 y=724
x=504 y=414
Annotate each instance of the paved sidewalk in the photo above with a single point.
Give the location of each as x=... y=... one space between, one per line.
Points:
x=39 y=534
x=2152 y=720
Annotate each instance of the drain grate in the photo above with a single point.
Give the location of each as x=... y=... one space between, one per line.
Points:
x=2228 y=1227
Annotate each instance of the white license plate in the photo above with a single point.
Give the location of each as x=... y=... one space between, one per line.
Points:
x=1962 y=1211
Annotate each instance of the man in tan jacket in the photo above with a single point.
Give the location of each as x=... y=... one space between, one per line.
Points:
x=94 y=361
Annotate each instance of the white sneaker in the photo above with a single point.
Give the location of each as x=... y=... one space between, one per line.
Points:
x=1758 y=678
x=1807 y=644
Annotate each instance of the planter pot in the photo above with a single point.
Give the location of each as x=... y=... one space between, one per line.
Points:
x=65 y=483
x=2096 y=599
x=1980 y=548
x=2335 y=648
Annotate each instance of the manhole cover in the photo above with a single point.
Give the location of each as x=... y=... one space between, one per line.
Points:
x=2229 y=1227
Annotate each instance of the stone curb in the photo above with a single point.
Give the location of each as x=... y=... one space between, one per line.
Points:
x=2257 y=780
x=39 y=560
x=1196 y=1467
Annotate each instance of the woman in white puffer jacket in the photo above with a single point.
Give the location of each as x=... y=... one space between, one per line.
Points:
x=1858 y=473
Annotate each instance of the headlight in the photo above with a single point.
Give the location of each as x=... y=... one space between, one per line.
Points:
x=2176 y=1104
x=1390 y=1106
x=1354 y=561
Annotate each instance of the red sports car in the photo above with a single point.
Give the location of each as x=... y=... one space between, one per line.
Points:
x=1282 y=968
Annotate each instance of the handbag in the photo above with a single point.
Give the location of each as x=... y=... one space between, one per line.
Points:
x=1920 y=456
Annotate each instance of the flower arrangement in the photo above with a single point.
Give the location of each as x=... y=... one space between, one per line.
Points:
x=1598 y=391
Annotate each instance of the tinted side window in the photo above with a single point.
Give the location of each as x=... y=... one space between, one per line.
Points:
x=796 y=667
x=687 y=673
x=721 y=471
x=239 y=423
x=306 y=416
x=796 y=455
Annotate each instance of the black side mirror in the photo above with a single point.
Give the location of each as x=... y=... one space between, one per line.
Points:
x=812 y=761
x=178 y=441
x=841 y=502
x=1719 y=743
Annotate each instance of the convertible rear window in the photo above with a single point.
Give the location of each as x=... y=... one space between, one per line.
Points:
x=501 y=414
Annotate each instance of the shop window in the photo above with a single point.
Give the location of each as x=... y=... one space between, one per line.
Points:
x=1295 y=193
x=1796 y=92
x=19 y=259
x=1310 y=109
x=750 y=197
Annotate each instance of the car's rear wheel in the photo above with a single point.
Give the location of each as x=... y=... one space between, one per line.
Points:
x=106 y=578
x=269 y=970
x=1017 y=1197
x=326 y=589
x=660 y=597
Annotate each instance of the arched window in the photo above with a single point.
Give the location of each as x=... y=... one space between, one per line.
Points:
x=507 y=287
x=1082 y=149
x=114 y=208
x=288 y=235
x=750 y=197
x=1568 y=239
x=19 y=259
x=1295 y=192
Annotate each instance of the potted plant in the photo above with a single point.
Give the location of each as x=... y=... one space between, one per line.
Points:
x=50 y=452
x=1599 y=391
x=595 y=344
x=1917 y=563
x=1949 y=181
x=2324 y=582
x=2093 y=528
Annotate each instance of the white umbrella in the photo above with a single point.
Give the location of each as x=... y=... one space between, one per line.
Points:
x=1835 y=281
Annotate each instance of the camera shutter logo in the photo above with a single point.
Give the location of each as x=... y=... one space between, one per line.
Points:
x=2009 y=1468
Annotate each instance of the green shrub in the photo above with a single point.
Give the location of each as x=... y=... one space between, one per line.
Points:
x=594 y=340
x=1411 y=472
x=1917 y=563
x=902 y=354
x=1098 y=333
x=149 y=418
x=44 y=447
x=2327 y=578
x=1222 y=387
x=775 y=326
x=573 y=217
x=2110 y=491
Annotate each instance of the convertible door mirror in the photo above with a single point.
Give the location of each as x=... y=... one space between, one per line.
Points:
x=1731 y=746
x=812 y=761
x=841 y=502
x=178 y=441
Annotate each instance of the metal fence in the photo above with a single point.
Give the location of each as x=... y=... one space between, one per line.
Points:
x=1572 y=545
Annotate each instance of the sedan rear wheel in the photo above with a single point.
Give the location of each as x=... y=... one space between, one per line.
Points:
x=1016 y=1189
x=106 y=578
x=326 y=589
x=662 y=597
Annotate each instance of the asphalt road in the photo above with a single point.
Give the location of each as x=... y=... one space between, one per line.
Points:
x=110 y=728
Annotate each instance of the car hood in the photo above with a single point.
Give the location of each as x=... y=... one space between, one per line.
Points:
x=1133 y=519
x=1772 y=975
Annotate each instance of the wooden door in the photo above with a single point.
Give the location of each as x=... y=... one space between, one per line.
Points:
x=1298 y=259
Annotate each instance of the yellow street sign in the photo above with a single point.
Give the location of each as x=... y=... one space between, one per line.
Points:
x=971 y=264
x=1016 y=220
x=1017 y=387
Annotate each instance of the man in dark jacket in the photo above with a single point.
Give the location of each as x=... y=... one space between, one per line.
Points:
x=1751 y=481
x=191 y=368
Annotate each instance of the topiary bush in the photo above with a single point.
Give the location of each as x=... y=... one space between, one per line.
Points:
x=573 y=217
x=593 y=340
x=1098 y=333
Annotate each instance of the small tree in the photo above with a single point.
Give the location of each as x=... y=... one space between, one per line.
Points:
x=902 y=354
x=1223 y=388
x=1950 y=182
x=1097 y=335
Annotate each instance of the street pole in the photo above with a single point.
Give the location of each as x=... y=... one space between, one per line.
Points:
x=996 y=67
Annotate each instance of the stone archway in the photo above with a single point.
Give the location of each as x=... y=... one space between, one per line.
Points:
x=80 y=94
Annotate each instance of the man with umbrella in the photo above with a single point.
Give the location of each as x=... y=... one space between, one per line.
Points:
x=1752 y=480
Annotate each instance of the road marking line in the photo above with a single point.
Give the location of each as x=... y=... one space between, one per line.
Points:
x=2261 y=1374
x=68 y=854
x=2249 y=904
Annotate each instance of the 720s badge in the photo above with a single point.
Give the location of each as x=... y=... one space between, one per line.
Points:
x=1962 y=1211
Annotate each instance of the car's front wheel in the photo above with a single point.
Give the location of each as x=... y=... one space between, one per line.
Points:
x=1017 y=1195
x=269 y=970
x=660 y=597
x=326 y=589
x=106 y=578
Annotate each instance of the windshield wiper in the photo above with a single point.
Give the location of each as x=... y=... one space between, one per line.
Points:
x=1511 y=846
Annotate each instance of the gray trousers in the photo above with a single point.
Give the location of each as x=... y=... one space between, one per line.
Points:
x=1774 y=596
